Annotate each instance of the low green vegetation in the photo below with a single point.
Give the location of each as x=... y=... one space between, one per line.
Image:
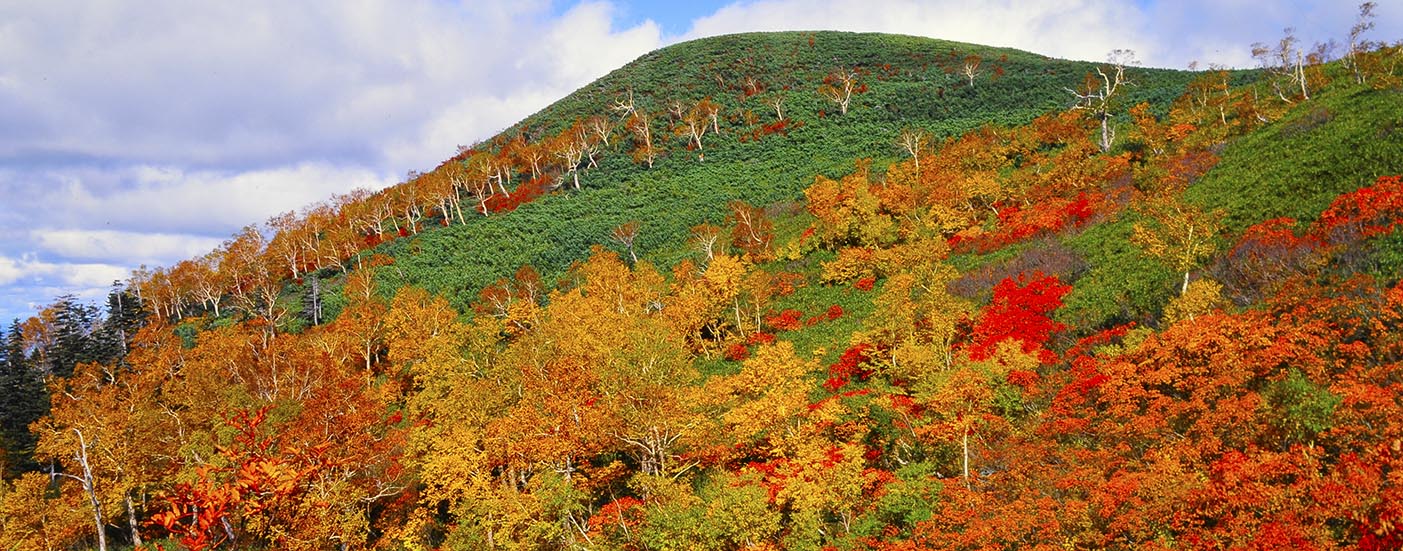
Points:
x=907 y=85
x=1295 y=166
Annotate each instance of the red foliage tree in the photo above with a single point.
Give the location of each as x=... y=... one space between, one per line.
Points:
x=1019 y=311
x=853 y=364
x=1021 y=223
x=1367 y=212
x=1269 y=254
x=787 y=320
x=751 y=230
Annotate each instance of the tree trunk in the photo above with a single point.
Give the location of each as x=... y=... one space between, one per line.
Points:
x=87 y=482
x=131 y=521
x=1105 y=132
x=1301 y=76
x=965 y=444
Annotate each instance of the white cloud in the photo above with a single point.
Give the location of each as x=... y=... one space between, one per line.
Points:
x=210 y=199
x=29 y=284
x=29 y=269
x=446 y=132
x=1164 y=33
x=170 y=199
x=1080 y=29
x=266 y=82
x=522 y=72
x=10 y=270
x=74 y=230
x=123 y=247
x=575 y=49
x=161 y=127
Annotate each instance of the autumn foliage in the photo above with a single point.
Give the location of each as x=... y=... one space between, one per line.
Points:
x=1370 y=211
x=1021 y=311
x=900 y=363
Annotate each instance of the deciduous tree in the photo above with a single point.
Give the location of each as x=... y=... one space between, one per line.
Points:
x=625 y=234
x=1180 y=234
x=769 y=396
x=1099 y=93
x=1357 y=44
x=970 y=67
x=914 y=141
x=751 y=230
x=839 y=87
x=572 y=146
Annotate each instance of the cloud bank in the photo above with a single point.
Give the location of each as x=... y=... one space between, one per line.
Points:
x=1167 y=34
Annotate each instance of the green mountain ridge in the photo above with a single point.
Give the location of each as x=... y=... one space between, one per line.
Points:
x=908 y=86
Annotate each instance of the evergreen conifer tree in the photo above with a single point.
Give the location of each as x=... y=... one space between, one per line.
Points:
x=23 y=400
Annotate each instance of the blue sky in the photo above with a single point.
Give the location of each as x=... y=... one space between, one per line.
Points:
x=149 y=132
x=674 y=17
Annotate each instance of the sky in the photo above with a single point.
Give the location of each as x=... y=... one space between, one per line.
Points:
x=144 y=133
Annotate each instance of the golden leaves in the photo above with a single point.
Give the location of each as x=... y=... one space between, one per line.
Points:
x=1180 y=234
x=1200 y=297
x=769 y=393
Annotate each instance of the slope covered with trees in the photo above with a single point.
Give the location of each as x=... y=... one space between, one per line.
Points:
x=800 y=291
x=776 y=124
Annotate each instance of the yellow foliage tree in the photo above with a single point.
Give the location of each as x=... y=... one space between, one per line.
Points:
x=824 y=480
x=916 y=317
x=848 y=212
x=1200 y=297
x=1179 y=234
x=109 y=434
x=32 y=519
x=768 y=397
x=723 y=282
x=964 y=398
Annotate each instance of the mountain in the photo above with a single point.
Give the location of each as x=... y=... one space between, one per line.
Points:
x=908 y=82
x=800 y=291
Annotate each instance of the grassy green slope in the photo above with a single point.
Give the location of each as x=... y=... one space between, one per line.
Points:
x=1297 y=165
x=907 y=86
x=1338 y=142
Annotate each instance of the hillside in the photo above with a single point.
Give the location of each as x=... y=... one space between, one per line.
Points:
x=909 y=82
x=988 y=300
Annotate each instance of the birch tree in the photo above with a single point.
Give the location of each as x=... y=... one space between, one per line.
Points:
x=1357 y=44
x=1100 y=92
x=839 y=86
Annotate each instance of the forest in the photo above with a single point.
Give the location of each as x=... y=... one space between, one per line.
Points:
x=778 y=291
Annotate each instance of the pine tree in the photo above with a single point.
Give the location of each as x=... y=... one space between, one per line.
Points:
x=23 y=400
x=73 y=341
x=125 y=316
